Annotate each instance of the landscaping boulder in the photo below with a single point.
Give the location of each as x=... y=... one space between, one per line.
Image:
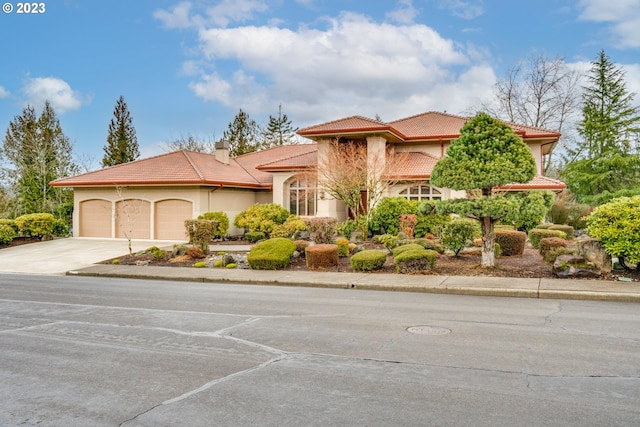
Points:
x=572 y=266
x=593 y=251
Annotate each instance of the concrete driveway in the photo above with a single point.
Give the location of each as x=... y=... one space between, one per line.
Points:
x=61 y=255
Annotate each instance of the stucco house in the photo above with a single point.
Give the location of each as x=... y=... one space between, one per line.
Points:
x=167 y=189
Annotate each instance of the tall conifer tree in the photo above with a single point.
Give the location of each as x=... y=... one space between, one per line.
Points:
x=279 y=130
x=243 y=135
x=122 y=143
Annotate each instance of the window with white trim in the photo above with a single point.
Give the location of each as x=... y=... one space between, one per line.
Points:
x=421 y=192
x=302 y=197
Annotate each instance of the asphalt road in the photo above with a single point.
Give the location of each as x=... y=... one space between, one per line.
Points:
x=80 y=351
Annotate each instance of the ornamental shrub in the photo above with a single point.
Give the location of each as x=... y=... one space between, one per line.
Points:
x=7 y=233
x=201 y=232
x=347 y=227
x=385 y=217
x=548 y=244
x=179 y=250
x=195 y=252
x=416 y=260
x=290 y=229
x=36 y=225
x=301 y=245
x=389 y=241
x=408 y=224
x=255 y=236
x=430 y=244
x=368 y=260
x=430 y=224
x=511 y=242
x=231 y=265
x=550 y=257
x=458 y=233
x=617 y=225
x=271 y=254
x=261 y=217
x=343 y=247
x=322 y=256
x=200 y=264
x=566 y=229
x=222 y=220
x=407 y=247
x=322 y=229
x=537 y=234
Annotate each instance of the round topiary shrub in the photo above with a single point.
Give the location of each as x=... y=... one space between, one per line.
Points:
x=511 y=242
x=550 y=243
x=343 y=247
x=271 y=254
x=261 y=217
x=430 y=244
x=416 y=260
x=537 y=234
x=566 y=229
x=290 y=229
x=322 y=257
x=408 y=247
x=368 y=260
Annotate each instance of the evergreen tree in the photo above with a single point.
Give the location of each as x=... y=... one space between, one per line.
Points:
x=486 y=155
x=38 y=152
x=279 y=130
x=122 y=143
x=243 y=135
x=608 y=159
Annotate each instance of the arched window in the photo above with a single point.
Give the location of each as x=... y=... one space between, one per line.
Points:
x=302 y=197
x=421 y=192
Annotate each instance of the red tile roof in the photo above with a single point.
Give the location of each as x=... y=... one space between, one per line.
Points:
x=426 y=126
x=415 y=166
x=537 y=183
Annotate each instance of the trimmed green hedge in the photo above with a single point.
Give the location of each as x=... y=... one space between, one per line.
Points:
x=367 y=260
x=566 y=229
x=408 y=247
x=537 y=234
x=548 y=244
x=430 y=244
x=322 y=256
x=416 y=260
x=271 y=254
x=511 y=242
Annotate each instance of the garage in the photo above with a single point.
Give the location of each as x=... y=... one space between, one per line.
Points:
x=170 y=216
x=133 y=219
x=95 y=218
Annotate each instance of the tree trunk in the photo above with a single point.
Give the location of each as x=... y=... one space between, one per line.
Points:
x=488 y=243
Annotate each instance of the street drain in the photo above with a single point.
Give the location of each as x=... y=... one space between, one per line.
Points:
x=428 y=330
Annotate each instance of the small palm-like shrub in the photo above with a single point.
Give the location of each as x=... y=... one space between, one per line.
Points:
x=368 y=260
x=323 y=256
x=538 y=234
x=458 y=233
x=271 y=254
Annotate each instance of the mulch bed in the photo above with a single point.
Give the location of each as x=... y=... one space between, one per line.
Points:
x=527 y=265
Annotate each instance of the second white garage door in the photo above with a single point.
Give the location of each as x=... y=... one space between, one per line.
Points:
x=170 y=216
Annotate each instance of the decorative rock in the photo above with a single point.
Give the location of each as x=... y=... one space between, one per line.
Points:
x=574 y=266
x=593 y=251
x=142 y=263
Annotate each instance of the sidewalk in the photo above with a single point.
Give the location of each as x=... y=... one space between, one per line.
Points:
x=599 y=290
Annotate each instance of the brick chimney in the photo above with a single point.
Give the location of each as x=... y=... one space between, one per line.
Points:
x=222 y=151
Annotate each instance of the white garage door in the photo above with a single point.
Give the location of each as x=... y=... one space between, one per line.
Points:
x=95 y=218
x=133 y=219
x=170 y=217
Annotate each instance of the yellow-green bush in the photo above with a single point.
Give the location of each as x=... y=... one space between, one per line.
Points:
x=537 y=234
x=343 y=247
x=408 y=247
x=36 y=224
x=566 y=229
x=222 y=223
x=7 y=233
x=617 y=225
x=261 y=217
x=290 y=229
x=271 y=254
x=459 y=232
x=368 y=260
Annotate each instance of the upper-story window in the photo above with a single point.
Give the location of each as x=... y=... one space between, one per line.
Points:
x=302 y=197
x=421 y=192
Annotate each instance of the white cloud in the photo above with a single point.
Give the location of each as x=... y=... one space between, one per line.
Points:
x=58 y=92
x=632 y=78
x=3 y=92
x=622 y=15
x=222 y=14
x=405 y=13
x=352 y=65
x=465 y=9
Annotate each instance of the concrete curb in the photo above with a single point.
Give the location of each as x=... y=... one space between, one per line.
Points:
x=458 y=285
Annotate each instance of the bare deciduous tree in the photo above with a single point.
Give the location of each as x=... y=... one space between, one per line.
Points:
x=540 y=92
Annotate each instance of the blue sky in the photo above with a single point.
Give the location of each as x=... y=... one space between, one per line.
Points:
x=189 y=66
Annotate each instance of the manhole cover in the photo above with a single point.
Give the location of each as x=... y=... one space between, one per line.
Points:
x=428 y=330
